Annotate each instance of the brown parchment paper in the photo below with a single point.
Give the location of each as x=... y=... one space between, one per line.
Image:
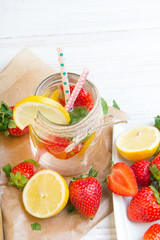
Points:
x=18 y=80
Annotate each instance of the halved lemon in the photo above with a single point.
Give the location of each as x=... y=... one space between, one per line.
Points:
x=25 y=111
x=45 y=194
x=138 y=143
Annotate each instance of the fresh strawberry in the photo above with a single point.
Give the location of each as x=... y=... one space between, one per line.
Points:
x=84 y=98
x=7 y=123
x=122 y=180
x=153 y=232
x=21 y=173
x=57 y=145
x=145 y=206
x=85 y=194
x=142 y=173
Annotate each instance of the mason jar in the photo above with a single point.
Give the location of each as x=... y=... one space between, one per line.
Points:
x=66 y=149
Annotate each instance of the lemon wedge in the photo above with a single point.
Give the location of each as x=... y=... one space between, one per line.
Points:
x=55 y=95
x=138 y=143
x=45 y=194
x=25 y=111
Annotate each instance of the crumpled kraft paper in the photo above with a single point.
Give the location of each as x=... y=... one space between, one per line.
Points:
x=18 y=80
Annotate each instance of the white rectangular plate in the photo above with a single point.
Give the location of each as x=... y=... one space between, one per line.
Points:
x=126 y=230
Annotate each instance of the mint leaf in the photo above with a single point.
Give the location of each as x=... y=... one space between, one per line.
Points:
x=78 y=114
x=5 y=115
x=104 y=106
x=36 y=226
x=157 y=121
x=6 y=109
x=115 y=105
x=7 y=169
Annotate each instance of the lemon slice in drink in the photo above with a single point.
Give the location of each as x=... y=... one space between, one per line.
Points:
x=26 y=110
x=45 y=194
x=138 y=143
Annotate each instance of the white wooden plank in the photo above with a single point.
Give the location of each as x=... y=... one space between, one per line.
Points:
x=43 y=17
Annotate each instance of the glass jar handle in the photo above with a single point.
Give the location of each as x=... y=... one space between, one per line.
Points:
x=90 y=131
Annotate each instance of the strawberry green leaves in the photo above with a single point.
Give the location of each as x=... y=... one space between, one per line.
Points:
x=18 y=180
x=5 y=115
x=92 y=173
x=157 y=121
x=155 y=172
x=156 y=193
x=31 y=160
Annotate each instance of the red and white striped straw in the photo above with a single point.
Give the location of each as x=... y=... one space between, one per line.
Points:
x=64 y=75
x=76 y=90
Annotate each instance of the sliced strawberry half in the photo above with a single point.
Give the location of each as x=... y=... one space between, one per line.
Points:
x=122 y=180
x=57 y=145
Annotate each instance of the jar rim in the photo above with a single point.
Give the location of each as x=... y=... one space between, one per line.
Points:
x=51 y=124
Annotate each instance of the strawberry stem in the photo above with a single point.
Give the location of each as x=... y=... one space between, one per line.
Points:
x=32 y=161
x=92 y=173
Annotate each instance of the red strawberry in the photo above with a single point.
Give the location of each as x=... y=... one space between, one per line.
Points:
x=21 y=173
x=15 y=131
x=84 y=98
x=85 y=194
x=57 y=145
x=142 y=173
x=153 y=232
x=145 y=206
x=122 y=180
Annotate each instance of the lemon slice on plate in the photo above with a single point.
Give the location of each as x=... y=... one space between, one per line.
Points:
x=138 y=143
x=25 y=111
x=45 y=194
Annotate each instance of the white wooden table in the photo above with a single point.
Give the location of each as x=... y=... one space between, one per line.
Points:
x=118 y=40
